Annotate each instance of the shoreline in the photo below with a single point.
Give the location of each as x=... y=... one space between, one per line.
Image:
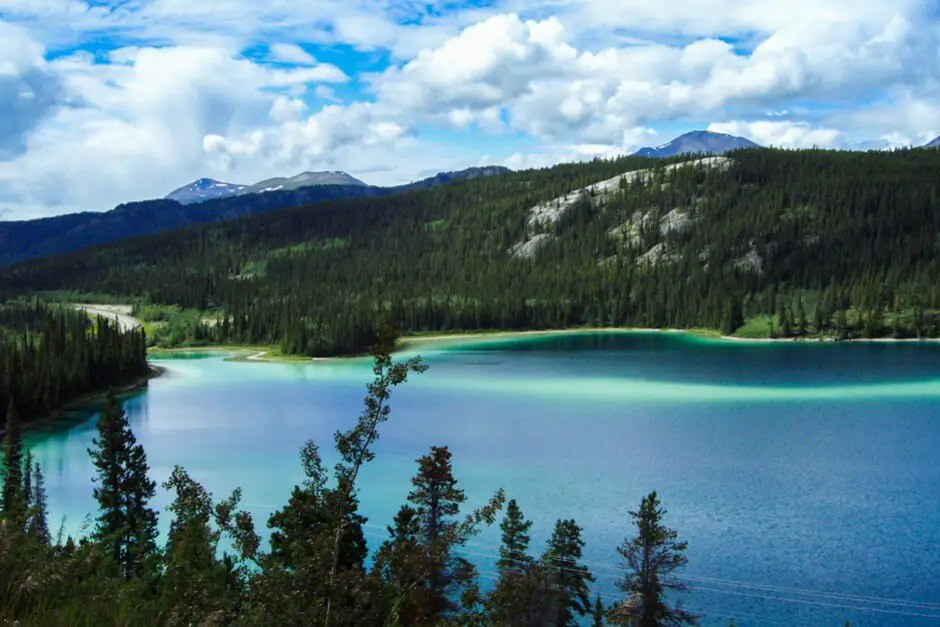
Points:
x=82 y=401
x=263 y=354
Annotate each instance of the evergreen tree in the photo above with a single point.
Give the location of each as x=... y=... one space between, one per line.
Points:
x=402 y=564
x=13 y=499
x=27 y=491
x=437 y=498
x=38 y=525
x=513 y=598
x=196 y=584
x=801 y=321
x=567 y=578
x=652 y=557
x=125 y=522
x=598 y=613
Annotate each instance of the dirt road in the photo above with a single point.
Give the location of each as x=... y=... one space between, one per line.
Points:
x=119 y=312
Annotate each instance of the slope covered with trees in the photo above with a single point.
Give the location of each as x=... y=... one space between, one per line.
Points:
x=789 y=243
x=49 y=356
x=31 y=239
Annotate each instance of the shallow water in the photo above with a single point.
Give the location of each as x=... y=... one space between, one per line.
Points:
x=805 y=477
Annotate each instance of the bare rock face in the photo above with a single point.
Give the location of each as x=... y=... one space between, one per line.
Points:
x=751 y=262
x=546 y=214
x=529 y=248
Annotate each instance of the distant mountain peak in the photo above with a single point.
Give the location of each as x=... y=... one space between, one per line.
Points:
x=204 y=189
x=304 y=179
x=697 y=142
x=934 y=143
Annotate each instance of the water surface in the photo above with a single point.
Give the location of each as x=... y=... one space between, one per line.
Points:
x=804 y=477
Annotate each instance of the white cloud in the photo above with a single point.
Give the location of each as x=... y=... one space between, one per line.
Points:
x=136 y=129
x=291 y=53
x=580 y=77
x=782 y=134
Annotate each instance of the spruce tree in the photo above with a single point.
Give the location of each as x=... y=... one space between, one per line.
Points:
x=13 y=499
x=38 y=525
x=438 y=500
x=125 y=523
x=567 y=577
x=27 y=490
x=598 y=613
x=511 y=601
x=196 y=584
x=652 y=557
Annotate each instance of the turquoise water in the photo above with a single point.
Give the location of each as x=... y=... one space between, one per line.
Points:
x=805 y=477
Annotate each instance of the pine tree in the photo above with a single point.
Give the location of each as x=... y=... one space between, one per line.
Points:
x=512 y=599
x=438 y=499
x=401 y=564
x=196 y=584
x=38 y=525
x=515 y=541
x=651 y=558
x=568 y=579
x=598 y=613
x=27 y=490
x=125 y=522
x=801 y=321
x=13 y=499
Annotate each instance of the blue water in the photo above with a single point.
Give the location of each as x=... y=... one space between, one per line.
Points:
x=804 y=477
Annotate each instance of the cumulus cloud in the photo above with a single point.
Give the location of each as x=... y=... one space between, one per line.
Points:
x=291 y=53
x=28 y=91
x=191 y=95
x=782 y=134
x=136 y=129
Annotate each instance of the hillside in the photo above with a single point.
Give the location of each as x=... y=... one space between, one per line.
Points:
x=760 y=242
x=200 y=202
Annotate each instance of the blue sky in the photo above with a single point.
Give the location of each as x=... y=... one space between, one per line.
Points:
x=109 y=101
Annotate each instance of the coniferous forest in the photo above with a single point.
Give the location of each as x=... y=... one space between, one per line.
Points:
x=314 y=568
x=50 y=356
x=778 y=243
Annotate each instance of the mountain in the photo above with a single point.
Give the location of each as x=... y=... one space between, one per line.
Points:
x=443 y=178
x=203 y=190
x=697 y=142
x=762 y=242
x=50 y=236
x=304 y=179
x=935 y=143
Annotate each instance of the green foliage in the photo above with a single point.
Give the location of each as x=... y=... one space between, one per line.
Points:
x=567 y=578
x=854 y=231
x=125 y=522
x=50 y=356
x=651 y=557
x=14 y=502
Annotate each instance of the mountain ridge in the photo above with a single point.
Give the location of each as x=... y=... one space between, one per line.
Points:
x=32 y=239
x=697 y=142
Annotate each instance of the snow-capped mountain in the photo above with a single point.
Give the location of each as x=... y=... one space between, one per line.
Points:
x=204 y=189
x=304 y=179
x=698 y=142
x=208 y=189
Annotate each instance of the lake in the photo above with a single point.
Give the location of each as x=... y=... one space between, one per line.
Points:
x=805 y=477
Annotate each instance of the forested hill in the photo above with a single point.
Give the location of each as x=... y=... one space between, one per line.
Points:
x=781 y=242
x=32 y=239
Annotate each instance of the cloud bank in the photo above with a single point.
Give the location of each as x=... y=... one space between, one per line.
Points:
x=391 y=90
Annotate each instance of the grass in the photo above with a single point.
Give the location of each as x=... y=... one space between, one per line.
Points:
x=757 y=327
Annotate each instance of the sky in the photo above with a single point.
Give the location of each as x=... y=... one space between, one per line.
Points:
x=106 y=101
